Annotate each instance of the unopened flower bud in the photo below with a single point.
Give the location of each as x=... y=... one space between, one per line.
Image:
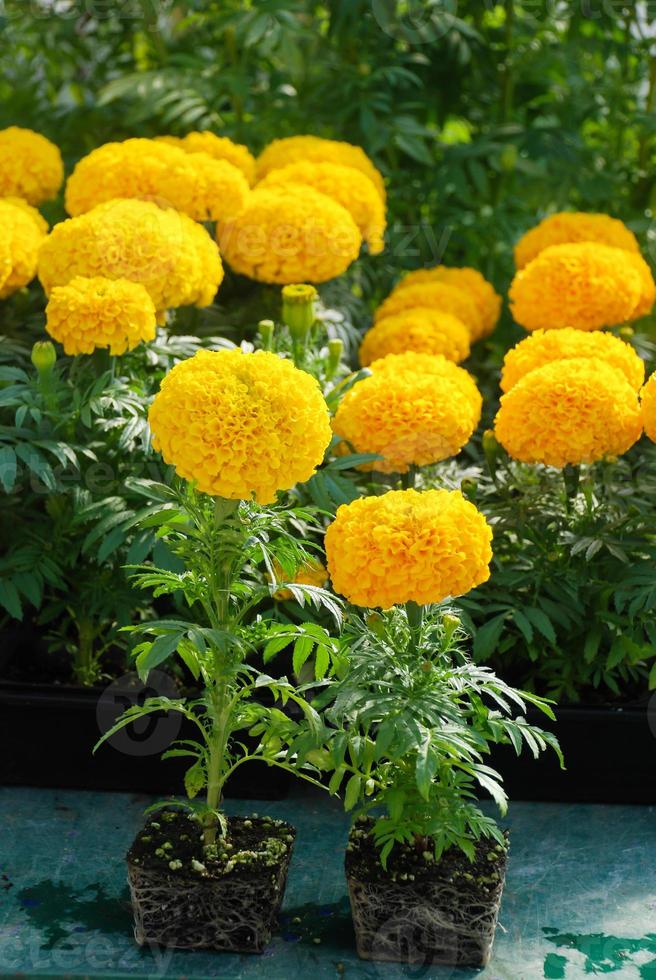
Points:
x=335 y=351
x=375 y=623
x=265 y=330
x=44 y=356
x=298 y=308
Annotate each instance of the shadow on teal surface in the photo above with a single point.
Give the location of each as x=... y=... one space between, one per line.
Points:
x=59 y=910
x=603 y=954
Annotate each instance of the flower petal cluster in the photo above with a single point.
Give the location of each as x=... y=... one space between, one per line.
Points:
x=568 y=227
x=647 y=286
x=419 y=329
x=349 y=187
x=22 y=230
x=31 y=166
x=648 y=406
x=584 y=285
x=90 y=313
x=218 y=147
x=168 y=253
x=569 y=412
x=470 y=281
x=291 y=149
x=288 y=234
x=544 y=346
x=193 y=183
x=438 y=296
x=413 y=410
x=408 y=546
x=241 y=425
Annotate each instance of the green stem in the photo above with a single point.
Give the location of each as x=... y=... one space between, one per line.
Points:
x=408 y=479
x=415 y=616
x=83 y=668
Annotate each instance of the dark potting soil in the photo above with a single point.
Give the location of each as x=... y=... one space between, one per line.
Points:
x=407 y=863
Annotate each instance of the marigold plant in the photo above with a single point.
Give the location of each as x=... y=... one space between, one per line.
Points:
x=544 y=346
x=648 y=406
x=419 y=329
x=99 y=312
x=567 y=227
x=471 y=281
x=30 y=165
x=349 y=187
x=584 y=285
x=168 y=253
x=218 y=147
x=23 y=231
x=415 y=409
x=290 y=234
x=291 y=149
x=240 y=425
x=569 y=412
x=437 y=296
x=408 y=546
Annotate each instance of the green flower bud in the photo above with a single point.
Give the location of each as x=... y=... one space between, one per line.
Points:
x=335 y=351
x=376 y=623
x=265 y=330
x=44 y=356
x=298 y=309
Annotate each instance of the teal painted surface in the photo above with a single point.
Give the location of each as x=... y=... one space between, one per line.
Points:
x=580 y=897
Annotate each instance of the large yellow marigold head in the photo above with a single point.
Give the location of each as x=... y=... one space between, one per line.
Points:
x=437 y=296
x=415 y=409
x=647 y=286
x=585 y=285
x=240 y=425
x=648 y=406
x=569 y=412
x=567 y=227
x=290 y=234
x=221 y=148
x=22 y=230
x=291 y=149
x=30 y=165
x=168 y=253
x=91 y=313
x=420 y=329
x=469 y=281
x=349 y=187
x=408 y=546
x=544 y=346
x=193 y=183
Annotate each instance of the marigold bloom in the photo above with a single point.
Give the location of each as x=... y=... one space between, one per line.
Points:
x=470 y=281
x=23 y=231
x=168 y=253
x=415 y=409
x=30 y=165
x=290 y=234
x=585 y=285
x=218 y=147
x=568 y=227
x=569 y=412
x=437 y=296
x=648 y=406
x=291 y=149
x=408 y=546
x=193 y=183
x=544 y=346
x=647 y=286
x=98 y=312
x=240 y=425
x=311 y=573
x=349 y=187
x=420 y=329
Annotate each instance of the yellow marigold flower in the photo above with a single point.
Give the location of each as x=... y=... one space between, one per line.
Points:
x=408 y=546
x=349 y=187
x=568 y=227
x=240 y=425
x=291 y=149
x=23 y=231
x=415 y=409
x=311 y=573
x=469 y=281
x=585 y=285
x=574 y=411
x=438 y=296
x=168 y=253
x=420 y=329
x=30 y=165
x=221 y=148
x=98 y=312
x=647 y=286
x=648 y=406
x=290 y=234
x=544 y=346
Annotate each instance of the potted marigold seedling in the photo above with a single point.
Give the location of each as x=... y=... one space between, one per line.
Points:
x=415 y=719
x=241 y=427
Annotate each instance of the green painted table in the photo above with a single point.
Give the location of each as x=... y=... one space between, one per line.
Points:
x=580 y=897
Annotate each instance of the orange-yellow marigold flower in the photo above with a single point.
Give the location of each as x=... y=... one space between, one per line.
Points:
x=419 y=329
x=291 y=149
x=22 y=230
x=469 y=281
x=313 y=572
x=240 y=425
x=569 y=412
x=90 y=313
x=408 y=546
x=567 y=227
x=30 y=165
x=437 y=296
x=647 y=286
x=648 y=406
x=219 y=147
